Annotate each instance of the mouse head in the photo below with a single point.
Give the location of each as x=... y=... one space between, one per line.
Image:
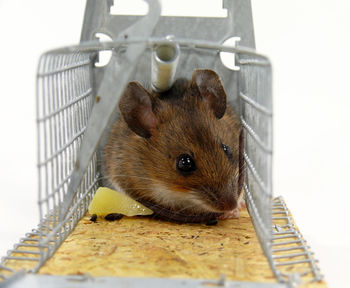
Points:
x=186 y=143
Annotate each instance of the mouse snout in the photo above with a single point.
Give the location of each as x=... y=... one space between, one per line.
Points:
x=227 y=202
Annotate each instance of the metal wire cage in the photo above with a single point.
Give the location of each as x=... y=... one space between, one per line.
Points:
x=66 y=93
x=65 y=97
x=65 y=100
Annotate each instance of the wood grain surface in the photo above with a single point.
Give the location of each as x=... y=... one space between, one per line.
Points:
x=145 y=247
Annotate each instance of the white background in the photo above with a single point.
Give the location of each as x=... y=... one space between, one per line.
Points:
x=308 y=43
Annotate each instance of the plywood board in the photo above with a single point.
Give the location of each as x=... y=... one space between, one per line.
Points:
x=145 y=247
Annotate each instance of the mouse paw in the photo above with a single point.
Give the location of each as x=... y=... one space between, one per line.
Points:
x=241 y=204
x=235 y=213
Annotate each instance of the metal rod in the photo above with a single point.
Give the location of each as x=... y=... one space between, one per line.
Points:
x=280 y=212
x=165 y=58
x=92 y=46
x=285 y=236
x=293 y=262
x=290 y=249
x=284 y=232
x=255 y=104
x=7 y=268
x=254 y=62
x=281 y=218
x=290 y=255
x=256 y=175
x=30 y=245
x=24 y=252
x=21 y=258
x=286 y=243
x=256 y=137
x=64 y=68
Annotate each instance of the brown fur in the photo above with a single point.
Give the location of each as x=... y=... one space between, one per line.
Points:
x=186 y=123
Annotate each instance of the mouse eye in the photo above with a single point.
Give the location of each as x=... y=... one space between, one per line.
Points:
x=185 y=164
x=227 y=151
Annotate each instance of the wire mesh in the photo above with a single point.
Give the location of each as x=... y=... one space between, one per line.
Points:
x=256 y=118
x=291 y=258
x=64 y=102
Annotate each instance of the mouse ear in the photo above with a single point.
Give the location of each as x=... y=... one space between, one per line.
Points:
x=136 y=108
x=211 y=90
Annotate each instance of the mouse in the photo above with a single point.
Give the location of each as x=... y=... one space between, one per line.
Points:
x=179 y=152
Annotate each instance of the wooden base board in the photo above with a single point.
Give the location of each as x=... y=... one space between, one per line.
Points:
x=145 y=247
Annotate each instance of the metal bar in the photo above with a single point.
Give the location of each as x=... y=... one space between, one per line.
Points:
x=281 y=218
x=32 y=239
x=290 y=249
x=290 y=255
x=46 y=227
x=255 y=104
x=293 y=262
x=21 y=258
x=63 y=69
x=285 y=237
x=280 y=212
x=34 y=234
x=86 y=281
x=284 y=232
x=49 y=91
x=256 y=137
x=7 y=268
x=31 y=245
x=29 y=239
x=254 y=61
x=25 y=252
x=255 y=211
x=55 y=162
x=92 y=46
x=43 y=188
x=255 y=174
x=286 y=243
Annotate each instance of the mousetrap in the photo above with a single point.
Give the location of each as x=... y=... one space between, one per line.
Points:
x=77 y=97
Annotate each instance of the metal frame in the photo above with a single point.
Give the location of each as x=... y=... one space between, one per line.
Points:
x=85 y=281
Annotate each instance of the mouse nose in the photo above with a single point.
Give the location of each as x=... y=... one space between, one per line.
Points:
x=227 y=202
